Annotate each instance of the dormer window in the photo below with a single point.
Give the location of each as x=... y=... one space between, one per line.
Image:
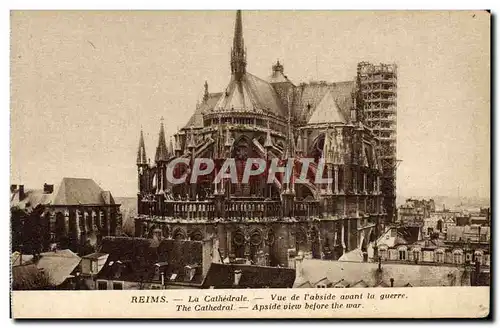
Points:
x=190 y=272
x=159 y=269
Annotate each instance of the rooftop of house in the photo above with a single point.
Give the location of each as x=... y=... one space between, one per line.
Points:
x=312 y=271
x=57 y=265
x=70 y=191
x=226 y=276
x=137 y=260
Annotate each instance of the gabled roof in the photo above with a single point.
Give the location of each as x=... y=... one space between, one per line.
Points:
x=327 y=111
x=250 y=94
x=308 y=96
x=58 y=265
x=196 y=119
x=107 y=198
x=221 y=276
x=80 y=191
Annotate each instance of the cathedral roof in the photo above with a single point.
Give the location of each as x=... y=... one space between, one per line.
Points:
x=250 y=94
x=309 y=95
x=196 y=119
x=327 y=111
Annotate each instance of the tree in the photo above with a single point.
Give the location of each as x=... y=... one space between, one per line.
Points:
x=29 y=277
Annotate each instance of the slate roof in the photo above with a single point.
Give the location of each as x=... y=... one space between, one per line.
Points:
x=71 y=191
x=32 y=199
x=251 y=94
x=327 y=111
x=353 y=272
x=58 y=265
x=134 y=259
x=196 y=119
x=221 y=276
x=312 y=93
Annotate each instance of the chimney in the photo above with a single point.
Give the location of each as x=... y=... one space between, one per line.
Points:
x=21 y=192
x=13 y=188
x=392 y=282
x=48 y=188
x=298 y=264
x=477 y=267
x=237 y=277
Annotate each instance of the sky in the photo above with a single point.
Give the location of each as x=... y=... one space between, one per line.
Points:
x=83 y=84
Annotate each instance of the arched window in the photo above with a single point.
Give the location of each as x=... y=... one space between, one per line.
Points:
x=478 y=256
x=416 y=254
x=457 y=256
x=179 y=234
x=196 y=235
x=382 y=252
x=439 y=255
x=402 y=253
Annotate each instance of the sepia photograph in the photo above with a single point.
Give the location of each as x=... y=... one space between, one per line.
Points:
x=304 y=163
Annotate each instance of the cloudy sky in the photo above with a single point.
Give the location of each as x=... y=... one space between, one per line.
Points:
x=83 y=84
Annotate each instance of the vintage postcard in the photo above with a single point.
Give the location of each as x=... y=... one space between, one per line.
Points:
x=250 y=164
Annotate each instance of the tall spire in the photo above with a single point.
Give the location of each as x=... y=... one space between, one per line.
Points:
x=238 y=53
x=141 y=152
x=161 y=149
x=205 y=93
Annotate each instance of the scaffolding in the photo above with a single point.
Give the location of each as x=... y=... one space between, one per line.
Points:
x=377 y=99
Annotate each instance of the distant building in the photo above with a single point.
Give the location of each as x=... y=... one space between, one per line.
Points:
x=414 y=211
x=313 y=273
x=75 y=215
x=453 y=250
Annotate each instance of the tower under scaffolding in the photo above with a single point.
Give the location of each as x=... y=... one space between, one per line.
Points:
x=377 y=97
